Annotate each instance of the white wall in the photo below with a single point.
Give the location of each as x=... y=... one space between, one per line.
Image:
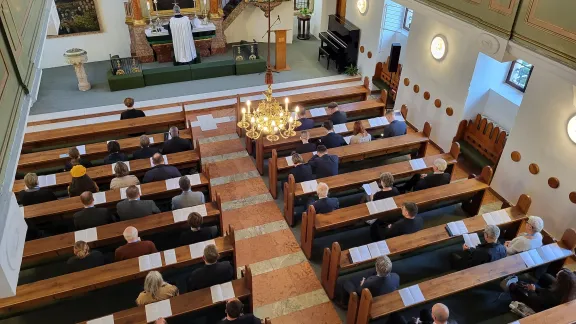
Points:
x=251 y=24
x=114 y=38
x=319 y=20
x=501 y=110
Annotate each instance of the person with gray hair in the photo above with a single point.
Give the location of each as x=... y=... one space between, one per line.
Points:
x=531 y=239
x=387 y=184
x=483 y=253
x=175 y=143
x=380 y=282
x=187 y=198
x=134 y=247
x=439 y=177
x=155 y=289
x=324 y=204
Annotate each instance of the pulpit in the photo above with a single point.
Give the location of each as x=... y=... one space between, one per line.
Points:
x=280 y=63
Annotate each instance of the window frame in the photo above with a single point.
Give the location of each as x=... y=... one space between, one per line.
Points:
x=405 y=17
x=514 y=85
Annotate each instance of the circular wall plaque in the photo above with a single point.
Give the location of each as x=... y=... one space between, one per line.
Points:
x=515 y=156
x=369 y=54
x=553 y=182
x=534 y=168
x=361 y=49
x=449 y=111
x=438 y=103
x=416 y=88
x=572 y=197
x=427 y=95
x=406 y=81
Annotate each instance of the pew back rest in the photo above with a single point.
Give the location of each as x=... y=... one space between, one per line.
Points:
x=481 y=141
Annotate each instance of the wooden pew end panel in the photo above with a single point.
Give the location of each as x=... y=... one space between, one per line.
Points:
x=352 y=308
x=289 y=200
x=330 y=267
x=524 y=203
x=307 y=231
x=364 y=307
x=273 y=174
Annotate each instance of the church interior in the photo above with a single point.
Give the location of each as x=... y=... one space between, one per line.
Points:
x=350 y=161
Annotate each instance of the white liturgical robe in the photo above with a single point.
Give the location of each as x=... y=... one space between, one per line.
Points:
x=182 y=40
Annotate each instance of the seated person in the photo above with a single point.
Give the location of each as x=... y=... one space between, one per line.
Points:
x=196 y=233
x=91 y=216
x=409 y=223
x=382 y=282
x=483 y=253
x=123 y=178
x=531 y=239
x=424 y=181
x=301 y=171
x=145 y=150
x=132 y=207
x=331 y=139
x=212 y=273
x=84 y=258
x=324 y=205
x=387 y=184
x=359 y=134
x=33 y=194
x=114 y=154
x=176 y=144
x=395 y=127
x=324 y=164
x=76 y=159
x=81 y=182
x=439 y=314
x=305 y=147
x=134 y=247
x=160 y=171
x=235 y=315
x=336 y=116
x=562 y=289
x=155 y=289
x=130 y=111
x=307 y=123
x=187 y=198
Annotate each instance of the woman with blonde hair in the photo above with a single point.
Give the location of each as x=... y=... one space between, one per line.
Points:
x=33 y=194
x=359 y=134
x=123 y=178
x=84 y=258
x=81 y=182
x=301 y=170
x=76 y=159
x=155 y=289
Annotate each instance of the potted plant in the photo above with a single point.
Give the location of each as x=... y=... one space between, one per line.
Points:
x=305 y=13
x=351 y=70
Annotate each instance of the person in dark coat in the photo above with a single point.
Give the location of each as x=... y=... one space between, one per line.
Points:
x=212 y=273
x=84 y=259
x=33 y=194
x=76 y=159
x=387 y=187
x=235 y=315
x=160 y=171
x=331 y=139
x=324 y=164
x=439 y=314
x=91 y=216
x=81 y=182
x=394 y=127
x=301 y=171
x=307 y=123
x=562 y=290
x=305 y=147
x=336 y=116
x=132 y=207
x=176 y=144
x=424 y=181
x=409 y=223
x=324 y=204
x=483 y=253
x=131 y=112
x=114 y=153
x=196 y=233
x=381 y=282
x=145 y=150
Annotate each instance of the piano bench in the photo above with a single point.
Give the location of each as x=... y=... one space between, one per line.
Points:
x=322 y=52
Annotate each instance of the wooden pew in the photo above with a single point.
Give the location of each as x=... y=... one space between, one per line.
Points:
x=103 y=173
x=372 y=308
x=55 y=158
x=561 y=314
x=46 y=291
x=470 y=191
x=481 y=142
x=66 y=206
x=264 y=146
x=293 y=190
x=191 y=302
x=51 y=247
x=335 y=260
x=415 y=141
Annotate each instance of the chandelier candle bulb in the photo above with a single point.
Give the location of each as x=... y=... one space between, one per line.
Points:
x=248 y=105
x=286 y=102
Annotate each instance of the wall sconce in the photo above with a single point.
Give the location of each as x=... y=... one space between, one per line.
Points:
x=362 y=6
x=571 y=128
x=438 y=47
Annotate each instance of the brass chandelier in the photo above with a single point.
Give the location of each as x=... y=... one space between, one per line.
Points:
x=269 y=118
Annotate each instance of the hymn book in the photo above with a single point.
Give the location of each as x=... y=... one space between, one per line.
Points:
x=86 y=235
x=309 y=186
x=340 y=128
x=472 y=240
x=411 y=295
x=181 y=215
x=378 y=121
x=417 y=164
x=150 y=261
x=222 y=292
x=456 y=228
x=99 y=197
x=197 y=249
x=158 y=309
x=317 y=112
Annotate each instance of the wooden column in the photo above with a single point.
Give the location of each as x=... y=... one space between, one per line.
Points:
x=214 y=6
x=341 y=9
x=136 y=11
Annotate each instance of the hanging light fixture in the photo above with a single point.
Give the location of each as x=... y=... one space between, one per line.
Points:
x=269 y=118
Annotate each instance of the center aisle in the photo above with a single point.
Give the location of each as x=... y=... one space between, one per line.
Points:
x=286 y=288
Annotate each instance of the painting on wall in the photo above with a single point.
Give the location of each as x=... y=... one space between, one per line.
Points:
x=77 y=17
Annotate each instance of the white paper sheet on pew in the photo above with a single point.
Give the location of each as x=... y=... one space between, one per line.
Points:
x=417 y=164
x=125 y=162
x=47 y=180
x=552 y=252
x=347 y=139
x=103 y=320
x=194 y=179
x=87 y=235
x=158 y=309
x=197 y=249
x=222 y=292
x=374 y=250
x=81 y=149
x=150 y=261
x=309 y=186
x=151 y=139
x=289 y=161
x=99 y=197
x=170 y=256
x=316 y=112
x=172 y=184
x=340 y=128
x=359 y=254
x=378 y=121
x=472 y=240
x=123 y=191
x=531 y=260
x=371 y=188
x=457 y=228
x=411 y=295
x=398 y=115
x=496 y=218
x=380 y=206
x=181 y=215
x=165 y=161
x=383 y=247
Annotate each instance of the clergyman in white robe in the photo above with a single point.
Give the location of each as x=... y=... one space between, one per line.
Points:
x=182 y=40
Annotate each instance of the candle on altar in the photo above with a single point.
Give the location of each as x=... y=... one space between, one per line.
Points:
x=248 y=105
x=148 y=6
x=286 y=102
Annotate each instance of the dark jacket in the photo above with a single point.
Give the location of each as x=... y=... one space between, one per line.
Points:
x=92 y=260
x=379 y=286
x=243 y=319
x=161 y=172
x=332 y=139
x=324 y=166
x=79 y=185
x=132 y=113
x=144 y=153
x=305 y=148
x=35 y=196
x=190 y=237
x=326 y=205
x=395 y=128
x=307 y=123
x=83 y=162
x=176 y=144
x=432 y=180
x=302 y=172
x=92 y=217
x=130 y=209
x=401 y=227
x=385 y=194
x=115 y=157
x=134 y=250
x=338 y=117
x=210 y=275
x=483 y=253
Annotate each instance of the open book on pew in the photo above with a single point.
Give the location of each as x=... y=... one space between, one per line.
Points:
x=309 y=186
x=317 y=112
x=378 y=121
x=543 y=254
x=158 y=309
x=181 y=215
x=472 y=240
x=197 y=249
x=496 y=218
x=417 y=164
x=371 y=188
x=340 y=128
x=368 y=252
x=380 y=206
x=456 y=228
x=411 y=295
x=222 y=292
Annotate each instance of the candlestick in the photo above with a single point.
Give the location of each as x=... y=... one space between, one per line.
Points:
x=286 y=102
x=248 y=104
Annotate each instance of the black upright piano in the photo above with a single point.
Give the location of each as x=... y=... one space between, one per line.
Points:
x=341 y=41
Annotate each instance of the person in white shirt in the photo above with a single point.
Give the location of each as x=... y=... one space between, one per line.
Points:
x=531 y=239
x=360 y=135
x=182 y=39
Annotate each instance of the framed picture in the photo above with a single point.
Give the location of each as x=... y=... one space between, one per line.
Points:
x=77 y=17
